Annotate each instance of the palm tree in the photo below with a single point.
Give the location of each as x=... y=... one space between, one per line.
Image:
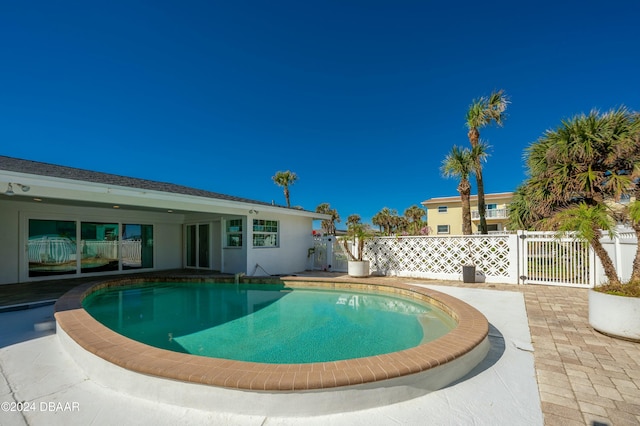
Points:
x=353 y=219
x=634 y=214
x=588 y=223
x=460 y=163
x=383 y=219
x=481 y=113
x=592 y=159
x=522 y=213
x=328 y=225
x=414 y=215
x=285 y=179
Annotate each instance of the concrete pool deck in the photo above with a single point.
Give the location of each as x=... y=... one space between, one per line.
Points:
x=573 y=375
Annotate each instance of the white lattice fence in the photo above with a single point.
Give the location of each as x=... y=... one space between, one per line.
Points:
x=443 y=257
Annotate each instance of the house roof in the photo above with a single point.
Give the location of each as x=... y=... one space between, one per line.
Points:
x=456 y=198
x=18 y=165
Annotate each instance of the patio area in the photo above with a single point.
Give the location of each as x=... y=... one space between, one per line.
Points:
x=583 y=377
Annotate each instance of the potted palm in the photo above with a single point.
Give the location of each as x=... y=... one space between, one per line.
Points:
x=357 y=233
x=614 y=308
x=581 y=170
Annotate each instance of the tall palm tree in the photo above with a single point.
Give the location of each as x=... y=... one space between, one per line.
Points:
x=328 y=225
x=285 y=179
x=459 y=163
x=481 y=113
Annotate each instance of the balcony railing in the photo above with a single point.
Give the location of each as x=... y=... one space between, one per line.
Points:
x=490 y=214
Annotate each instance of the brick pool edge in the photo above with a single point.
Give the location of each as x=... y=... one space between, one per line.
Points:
x=93 y=337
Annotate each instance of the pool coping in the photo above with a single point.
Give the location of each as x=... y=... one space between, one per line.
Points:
x=472 y=330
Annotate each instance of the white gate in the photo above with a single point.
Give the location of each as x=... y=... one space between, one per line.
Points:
x=546 y=259
x=328 y=255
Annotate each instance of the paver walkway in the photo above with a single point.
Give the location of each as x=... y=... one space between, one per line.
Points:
x=584 y=377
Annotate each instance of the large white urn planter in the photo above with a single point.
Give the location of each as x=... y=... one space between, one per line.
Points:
x=616 y=316
x=358 y=268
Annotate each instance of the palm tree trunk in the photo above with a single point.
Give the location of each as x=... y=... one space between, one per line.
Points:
x=635 y=272
x=607 y=263
x=482 y=227
x=286 y=195
x=465 y=194
x=474 y=139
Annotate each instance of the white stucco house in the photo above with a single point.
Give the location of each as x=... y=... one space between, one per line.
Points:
x=58 y=222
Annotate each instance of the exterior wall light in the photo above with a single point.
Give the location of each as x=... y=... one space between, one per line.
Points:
x=9 y=191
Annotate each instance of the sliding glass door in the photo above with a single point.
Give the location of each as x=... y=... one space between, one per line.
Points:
x=51 y=247
x=198 y=246
x=67 y=247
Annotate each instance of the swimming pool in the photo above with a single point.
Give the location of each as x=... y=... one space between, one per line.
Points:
x=314 y=388
x=267 y=323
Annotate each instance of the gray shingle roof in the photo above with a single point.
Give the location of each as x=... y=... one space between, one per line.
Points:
x=53 y=170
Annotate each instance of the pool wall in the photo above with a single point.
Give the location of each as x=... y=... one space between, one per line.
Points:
x=274 y=389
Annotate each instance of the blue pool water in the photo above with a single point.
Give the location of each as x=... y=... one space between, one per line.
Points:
x=266 y=323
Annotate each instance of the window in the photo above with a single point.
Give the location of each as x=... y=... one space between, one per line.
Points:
x=99 y=246
x=443 y=229
x=234 y=233
x=55 y=247
x=492 y=206
x=137 y=246
x=52 y=247
x=265 y=233
x=492 y=227
x=442 y=209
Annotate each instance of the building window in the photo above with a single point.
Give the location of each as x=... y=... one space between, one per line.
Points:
x=52 y=248
x=442 y=209
x=492 y=227
x=137 y=246
x=234 y=233
x=265 y=233
x=99 y=243
x=443 y=229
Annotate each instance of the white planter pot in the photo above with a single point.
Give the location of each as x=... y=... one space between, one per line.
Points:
x=616 y=316
x=358 y=268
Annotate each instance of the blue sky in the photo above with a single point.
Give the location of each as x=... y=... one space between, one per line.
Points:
x=362 y=99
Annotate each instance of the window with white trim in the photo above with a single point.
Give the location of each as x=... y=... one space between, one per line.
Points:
x=234 y=233
x=442 y=209
x=443 y=229
x=265 y=233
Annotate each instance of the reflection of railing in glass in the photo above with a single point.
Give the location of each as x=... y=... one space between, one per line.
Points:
x=51 y=250
x=101 y=249
x=132 y=252
x=59 y=250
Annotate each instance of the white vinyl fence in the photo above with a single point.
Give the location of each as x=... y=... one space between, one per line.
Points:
x=517 y=258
